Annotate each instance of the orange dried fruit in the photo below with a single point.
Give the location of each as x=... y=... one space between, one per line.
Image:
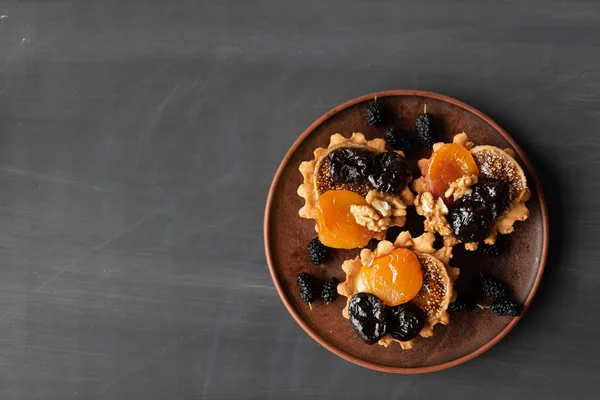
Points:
x=395 y=278
x=447 y=164
x=336 y=224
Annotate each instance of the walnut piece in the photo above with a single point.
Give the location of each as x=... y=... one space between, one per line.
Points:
x=386 y=204
x=434 y=211
x=463 y=140
x=461 y=186
x=368 y=216
x=383 y=210
x=471 y=246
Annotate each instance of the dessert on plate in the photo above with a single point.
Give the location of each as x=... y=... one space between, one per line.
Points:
x=399 y=290
x=355 y=190
x=470 y=194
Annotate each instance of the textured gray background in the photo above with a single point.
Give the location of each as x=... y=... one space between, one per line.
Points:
x=138 y=140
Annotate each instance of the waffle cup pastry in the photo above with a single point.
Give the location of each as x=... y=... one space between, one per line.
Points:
x=380 y=211
x=493 y=163
x=436 y=293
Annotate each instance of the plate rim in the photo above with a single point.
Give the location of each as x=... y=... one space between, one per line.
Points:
x=339 y=352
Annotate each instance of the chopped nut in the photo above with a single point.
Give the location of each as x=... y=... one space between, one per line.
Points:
x=424 y=243
x=383 y=211
x=444 y=255
x=407 y=197
x=404 y=239
x=367 y=216
x=463 y=140
x=450 y=241
x=419 y=185
x=471 y=246
x=461 y=186
x=425 y=202
x=434 y=211
x=386 y=204
x=382 y=207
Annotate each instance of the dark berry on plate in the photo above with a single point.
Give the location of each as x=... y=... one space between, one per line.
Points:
x=462 y=303
x=424 y=128
x=491 y=250
x=398 y=139
x=489 y=193
x=405 y=321
x=505 y=308
x=470 y=224
x=348 y=165
x=493 y=288
x=367 y=314
x=388 y=172
x=329 y=290
x=375 y=113
x=317 y=251
x=307 y=289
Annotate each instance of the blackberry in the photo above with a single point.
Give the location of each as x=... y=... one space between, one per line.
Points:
x=307 y=291
x=505 y=308
x=493 y=287
x=405 y=321
x=317 y=251
x=398 y=139
x=462 y=304
x=368 y=317
x=424 y=128
x=491 y=250
x=329 y=290
x=389 y=172
x=375 y=113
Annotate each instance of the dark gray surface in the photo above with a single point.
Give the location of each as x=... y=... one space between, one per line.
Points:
x=137 y=145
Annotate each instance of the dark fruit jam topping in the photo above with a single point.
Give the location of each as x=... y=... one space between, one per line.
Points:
x=405 y=321
x=471 y=218
x=348 y=165
x=367 y=315
x=470 y=224
x=389 y=172
x=490 y=193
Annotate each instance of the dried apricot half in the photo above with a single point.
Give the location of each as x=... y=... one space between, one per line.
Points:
x=395 y=278
x=447 y=164
x=336 y=224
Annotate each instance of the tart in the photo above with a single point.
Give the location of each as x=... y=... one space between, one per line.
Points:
x=355 y=191
x=470 y=194
x=389 y=273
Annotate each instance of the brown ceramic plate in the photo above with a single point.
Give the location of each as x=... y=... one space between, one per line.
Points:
x=287 y=235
